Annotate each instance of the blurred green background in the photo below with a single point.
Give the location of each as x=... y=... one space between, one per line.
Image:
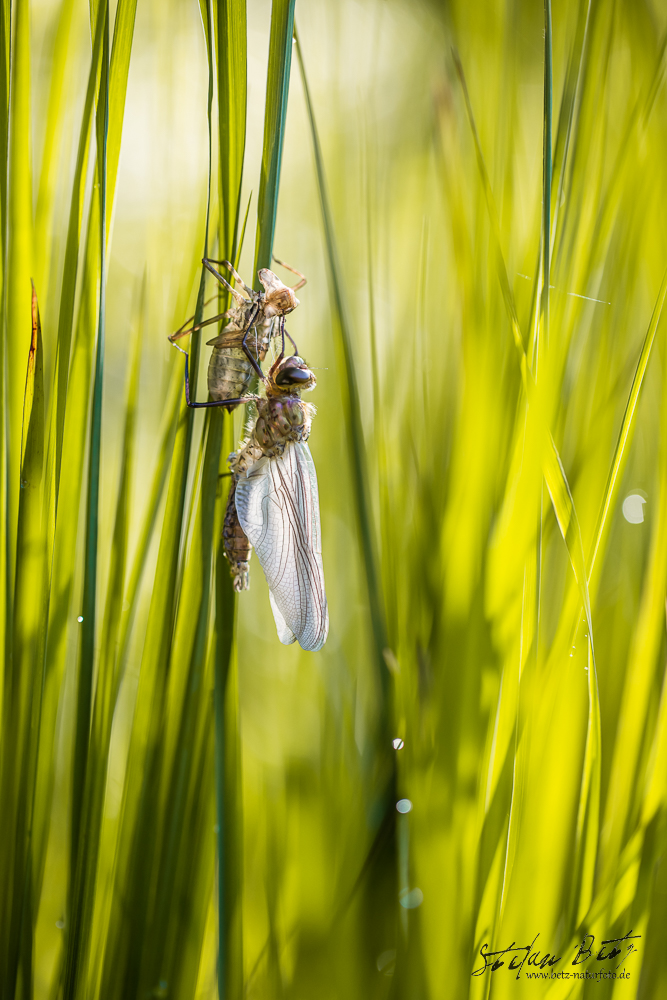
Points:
x=189 y=808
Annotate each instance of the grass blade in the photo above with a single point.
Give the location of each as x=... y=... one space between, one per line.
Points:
x=231 y=40
x=232 y=73
x=24 y=683
x=194 y=609
x=385 y=867
x=275 y=116
x=57 y=110
x=351 y=407
x=547 y=169
x=625 y=433
x=19 y=250
x=150 y=519
x=15 y=798
x=128 y=957
x=556 y=480
x=82 y=837
x=119 y=68
x=70 y=269
x=5 y=583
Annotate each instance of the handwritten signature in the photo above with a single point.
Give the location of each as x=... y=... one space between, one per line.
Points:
x=527 y=956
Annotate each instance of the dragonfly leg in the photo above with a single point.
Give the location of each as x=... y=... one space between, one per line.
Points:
x=207 y=322
x=284 y=333
x=296 y=349
x=251 y=358
x=210 y=402
x=181 y=332
x=239 y=279
x=294 y=271
x=210 y=260
x=238 y=298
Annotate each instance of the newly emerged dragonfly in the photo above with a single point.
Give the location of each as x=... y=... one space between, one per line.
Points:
x=276 y=501
x=273 y=501
x=253 y=323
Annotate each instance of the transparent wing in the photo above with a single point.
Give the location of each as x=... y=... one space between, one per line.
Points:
x=285 y=633
x=278 y=507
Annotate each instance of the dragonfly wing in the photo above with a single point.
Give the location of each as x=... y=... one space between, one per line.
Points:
x=285 y=633
x=278 y=507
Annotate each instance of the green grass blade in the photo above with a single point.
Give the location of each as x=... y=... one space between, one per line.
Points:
x=69 y=402
x=644 y=664
x=19 y=250
x=121 y=50
x=136 y=843
x=5 y=584
x=228 y=786
x=109 y=644
x=384 y=865
x=243 y=229
x=128 y=957
x=70 y=269
x=76 y=397
x=5 y=70
x=194 y=610
x=63 y=542
x=275 y=116
x=231 y=38
x=150 y=519
x=508 y=297
x=626 y=750
x=232 y=72
x=559 y=489
x=637 y=120
x=351 y=406
x=57 y=109
x=24 y=683
x=108 y=672
x=562 y=502
x=89 y=600
x=547 y=169
x=81 y=835
x=567 y=123
x=625 y=433
x=145 y=761
x=17 y=324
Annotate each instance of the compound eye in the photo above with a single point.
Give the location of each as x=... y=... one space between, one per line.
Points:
x=290 y=376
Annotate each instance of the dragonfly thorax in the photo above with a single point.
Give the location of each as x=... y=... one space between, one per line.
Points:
x=280 y=421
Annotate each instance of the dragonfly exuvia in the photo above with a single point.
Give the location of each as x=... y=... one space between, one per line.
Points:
x=253 y=323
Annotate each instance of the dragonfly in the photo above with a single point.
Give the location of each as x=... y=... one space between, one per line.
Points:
x=254 y=321
x=273 y=502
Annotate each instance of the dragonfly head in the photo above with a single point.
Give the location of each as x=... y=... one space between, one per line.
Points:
x=288 y=375
x=279 y=299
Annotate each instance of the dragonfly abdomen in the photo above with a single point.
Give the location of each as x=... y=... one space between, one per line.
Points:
x=279 y=421
x=237 y=547
x=229 y=373
x=229 y=369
